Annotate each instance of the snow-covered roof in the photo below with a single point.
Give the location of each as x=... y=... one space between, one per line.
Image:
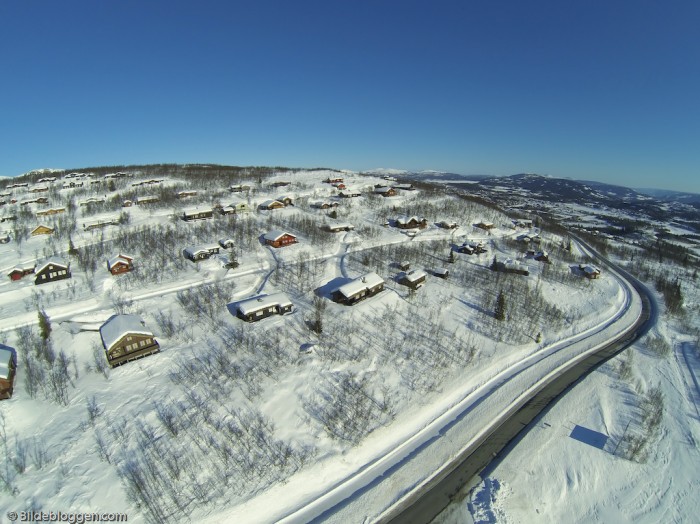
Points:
x=415 y=275
x=268 y=203
x=514 y=264
x=385 y=189
x=276 y=234
x=120 y=258
x=441 y=271
x=367 y=281
x=117 y=326
x=341 y=225
x=51 y=261
x=590 y=270
x=204 y=248
x=406 y=220
x=5 y=360
x=254 y=304
x=196 y=211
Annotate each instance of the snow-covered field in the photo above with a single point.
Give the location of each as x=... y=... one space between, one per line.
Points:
x=243 y=422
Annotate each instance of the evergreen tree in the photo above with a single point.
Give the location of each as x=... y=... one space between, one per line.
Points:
x=494 y=264
x=500 y=312
x=451 y=257
x=71 y=247
x=44 y=325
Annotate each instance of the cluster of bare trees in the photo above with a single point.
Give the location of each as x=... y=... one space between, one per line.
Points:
x=47 y=372
x=645 y=427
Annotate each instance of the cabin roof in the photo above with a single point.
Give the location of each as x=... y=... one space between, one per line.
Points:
x=366 y=281
x=196 y=211
x=120 y=258
x=276 y=234
x=415 y=275
x=5 y=360
x=254 y=304
x=117 y=326
x=54 y=261
x=268 y=203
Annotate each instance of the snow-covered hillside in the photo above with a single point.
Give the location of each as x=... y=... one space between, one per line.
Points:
x=232 y=415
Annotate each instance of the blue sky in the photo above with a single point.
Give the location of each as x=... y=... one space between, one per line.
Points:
x=599 y=90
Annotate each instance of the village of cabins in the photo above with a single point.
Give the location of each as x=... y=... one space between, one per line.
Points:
x=125 y=337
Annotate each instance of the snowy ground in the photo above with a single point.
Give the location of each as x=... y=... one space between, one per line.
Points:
x=423 y=357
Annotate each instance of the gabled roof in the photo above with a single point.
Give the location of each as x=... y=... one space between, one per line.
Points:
x=269 y=203
x=117 y=326
x=276 y=234
x=415 y=275
x=120 y=259
x=5 y=360
x=52 y=261
x=367 y=281
x=254 y=304
x=196 y=211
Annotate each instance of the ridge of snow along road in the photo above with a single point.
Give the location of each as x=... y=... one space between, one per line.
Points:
x=361 y=486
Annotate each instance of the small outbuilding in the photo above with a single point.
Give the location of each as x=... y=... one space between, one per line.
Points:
x=42 y=230
x=126 y=338
x=21 y=271
x=589 y=271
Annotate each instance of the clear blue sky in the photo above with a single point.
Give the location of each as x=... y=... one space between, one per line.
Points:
x=600 y=90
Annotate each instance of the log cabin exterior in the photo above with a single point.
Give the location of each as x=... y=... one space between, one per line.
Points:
x=120 y=264
x=52 y=270
x=589 y=271
x=147 y=199
x=257 y=308
x=287 y=200
x=385 y=191
x=487 y=226
x=279 y=238
x=8 y=366
x=125 y=338
x=358 y=289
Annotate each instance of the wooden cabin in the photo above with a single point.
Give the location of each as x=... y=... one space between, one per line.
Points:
x=186 y=194
x=349 y=193
x=485 y=225
x=358 y=289
x=512 y=266
x=385 y=191
x=226 y=243
x=42 y=230
x=337 y=228
x=125 y=338
x=324 y=204
x=120 y=264
x=411 y=222
x=404 y=187
x=333 y=180
x=448 y=225
x=413 y=279
x=239 y=188
x=542 y=256
x=198 y=253
x=51 y=270
x=99 y=224
x=127 y=203
x=441 y=272
x=147 y=199
x=190 y=215
x=51 y=211
x=257 y=308
x=19 y=272
x=279 y=238
x=588 y=271
x=8 y=366
x=271 y=204
x=287 y=200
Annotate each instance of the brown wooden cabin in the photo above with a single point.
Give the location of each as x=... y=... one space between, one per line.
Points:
x=239 y=188
x=186 y=194
x=42 y=230
x=448 y=225
x=8 y=366
x=385 y=191
x=588 y=271
x=337 y=228
x=335 y=180
x=125 y=338
x=485 y=225
x=197 y=214
x=278 y=238
x=287 y=200
x=257 y=308
x=441 y=272
x=120 y=264
x=411 y=222
x=52 y=211
x=51 y=270
x=358 y=289
x=148 y=199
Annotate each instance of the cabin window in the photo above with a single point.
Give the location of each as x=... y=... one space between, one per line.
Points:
x=258 y=313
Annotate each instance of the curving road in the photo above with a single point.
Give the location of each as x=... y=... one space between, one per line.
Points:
x=424 y=504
